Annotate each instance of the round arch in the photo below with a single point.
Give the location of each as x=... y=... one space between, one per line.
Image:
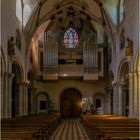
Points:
x=137 y=62
x=42 y=102
x=70 y=103
x=123 y=79
x=121 y=70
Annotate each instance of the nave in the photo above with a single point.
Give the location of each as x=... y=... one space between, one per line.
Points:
x=70 y=129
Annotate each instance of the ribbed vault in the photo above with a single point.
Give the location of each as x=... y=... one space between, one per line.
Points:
x=66 y=13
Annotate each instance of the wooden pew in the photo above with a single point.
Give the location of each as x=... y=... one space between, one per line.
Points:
x=29 y=127
x=106 y=127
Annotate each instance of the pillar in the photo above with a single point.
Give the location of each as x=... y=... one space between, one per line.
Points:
x=120 y=98
x=21 y=99
x=131 y=94
x=2 y=97
x=107 y=107
x=115 y=99
x=33 y=101
x=136 y=96
x=8 y=103
x=138 y=92
x=25 y=94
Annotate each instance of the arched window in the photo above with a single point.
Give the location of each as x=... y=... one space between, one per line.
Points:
x=121 y=10
x=19 y=10
x=71 y=38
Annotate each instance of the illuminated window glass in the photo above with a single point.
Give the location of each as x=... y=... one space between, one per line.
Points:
x=121 y=10
x=71 y=38
x=112 y=8
x=26 y=13
x=19 y=9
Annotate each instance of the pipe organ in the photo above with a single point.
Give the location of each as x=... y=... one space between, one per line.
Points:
x=82 y=61
x=50 y=58
x=90 y=59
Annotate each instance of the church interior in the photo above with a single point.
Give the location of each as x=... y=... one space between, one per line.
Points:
x=70 y=69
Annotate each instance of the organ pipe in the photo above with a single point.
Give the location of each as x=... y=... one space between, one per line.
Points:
x=90 y=55
x=50 y=55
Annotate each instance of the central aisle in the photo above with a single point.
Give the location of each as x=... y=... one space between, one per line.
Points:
x=70 y=129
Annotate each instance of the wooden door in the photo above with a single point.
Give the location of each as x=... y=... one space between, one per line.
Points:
x=71 y=103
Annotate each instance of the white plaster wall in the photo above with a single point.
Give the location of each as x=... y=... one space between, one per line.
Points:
x=131 y=25
x=9 y=24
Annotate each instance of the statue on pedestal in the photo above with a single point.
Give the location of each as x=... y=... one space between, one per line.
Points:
x=129 y=48
x=11 y=48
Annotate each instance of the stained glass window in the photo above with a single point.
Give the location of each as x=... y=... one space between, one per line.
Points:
x=71 y=38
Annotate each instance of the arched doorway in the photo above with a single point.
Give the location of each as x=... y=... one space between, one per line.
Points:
x=71 y=103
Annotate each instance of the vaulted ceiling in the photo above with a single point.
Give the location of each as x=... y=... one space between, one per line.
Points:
x=67 y=12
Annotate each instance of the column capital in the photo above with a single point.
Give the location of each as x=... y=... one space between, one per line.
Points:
x=130 y=74
x=138 y=73
x=25 y=83
x=10 y=75
x=122 y=83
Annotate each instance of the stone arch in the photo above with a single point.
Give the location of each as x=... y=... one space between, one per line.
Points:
x=101 y=98
x=137 y=62
x=62 y=90
x=123 y=94
x=123 y=68
x=42 y=102
x=70 y=103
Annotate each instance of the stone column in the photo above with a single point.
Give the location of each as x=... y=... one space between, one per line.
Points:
x=107 y=101
x=33 y=101
x=115 y=99
x=21 y=99
x=135 y=108
x=131 y=94
x=138 y=93
x=2 y=97
x=120 y=98
x=25 y=90
x=9 y=95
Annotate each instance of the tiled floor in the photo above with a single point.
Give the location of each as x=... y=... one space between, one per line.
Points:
x=70 y=129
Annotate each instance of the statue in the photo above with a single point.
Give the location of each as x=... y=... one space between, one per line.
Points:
x=11 y=44
x=129 y=48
